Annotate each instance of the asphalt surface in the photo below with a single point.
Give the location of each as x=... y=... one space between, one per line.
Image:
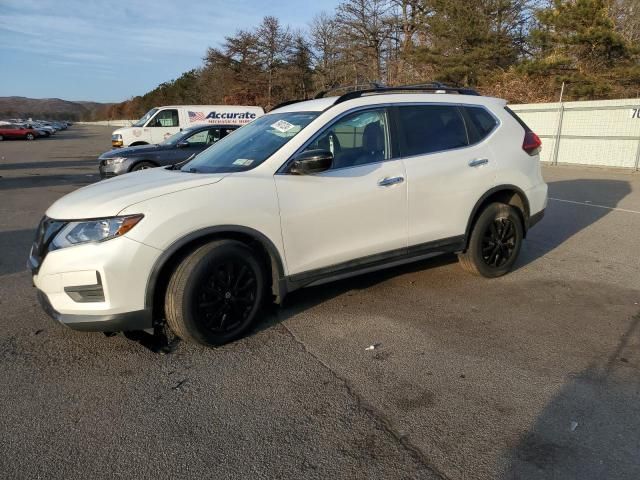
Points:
x=533 y=375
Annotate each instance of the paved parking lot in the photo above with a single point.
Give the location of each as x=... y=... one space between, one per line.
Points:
x=534 y=375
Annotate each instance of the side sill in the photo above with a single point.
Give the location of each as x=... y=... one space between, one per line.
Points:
x=375 y=262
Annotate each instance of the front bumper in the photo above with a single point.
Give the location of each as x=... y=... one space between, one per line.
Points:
x=117 y=322
x=113 y=169
x=97 y=286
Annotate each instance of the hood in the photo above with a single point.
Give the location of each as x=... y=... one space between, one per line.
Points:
x=128 y=151
x=109 y=197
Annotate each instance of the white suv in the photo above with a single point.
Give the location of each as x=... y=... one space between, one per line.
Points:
x=313 y=191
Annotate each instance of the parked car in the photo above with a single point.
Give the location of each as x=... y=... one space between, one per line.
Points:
x=17 y=131
x=160 y=123
x=174 y=149
x=46 y=128
x=313 y=191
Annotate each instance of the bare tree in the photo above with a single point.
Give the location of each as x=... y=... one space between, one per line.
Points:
x=273 y=45
x=364 y=27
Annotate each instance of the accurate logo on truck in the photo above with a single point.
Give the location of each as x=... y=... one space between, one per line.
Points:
x=222 y=117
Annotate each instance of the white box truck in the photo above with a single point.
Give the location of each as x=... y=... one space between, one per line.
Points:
x=162 y=122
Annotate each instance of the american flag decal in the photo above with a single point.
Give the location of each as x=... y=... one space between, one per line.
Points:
x=196 y=117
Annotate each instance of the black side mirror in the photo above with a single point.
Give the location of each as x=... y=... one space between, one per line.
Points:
x=182 y=144
x=311 y=161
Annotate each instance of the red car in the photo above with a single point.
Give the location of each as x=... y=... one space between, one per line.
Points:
x=17 y=131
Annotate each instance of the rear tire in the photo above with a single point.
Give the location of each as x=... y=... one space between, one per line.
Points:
x=1 y=138
x=215 y=293
x=143 y=166
x=495 y=242
x=30 y=136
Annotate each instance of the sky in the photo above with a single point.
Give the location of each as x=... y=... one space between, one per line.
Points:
x=109 y=51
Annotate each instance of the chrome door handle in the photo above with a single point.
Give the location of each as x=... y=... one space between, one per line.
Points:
x=388 y=181
x=478 y=161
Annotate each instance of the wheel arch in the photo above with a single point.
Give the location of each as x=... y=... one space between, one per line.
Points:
x=169 y=259
x=142 y=160
x=135 y=144
x=509 y=194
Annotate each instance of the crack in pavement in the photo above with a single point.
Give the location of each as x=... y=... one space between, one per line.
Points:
x=378 y=417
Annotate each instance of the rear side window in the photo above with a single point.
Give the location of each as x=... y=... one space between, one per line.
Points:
x=481 y=123
x=430 y=128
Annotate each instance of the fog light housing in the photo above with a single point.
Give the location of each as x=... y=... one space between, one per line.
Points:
x=86 y=293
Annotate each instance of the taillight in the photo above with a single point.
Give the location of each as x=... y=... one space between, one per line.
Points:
x=532 y=143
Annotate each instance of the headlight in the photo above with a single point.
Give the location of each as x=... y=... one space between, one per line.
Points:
x=97 y=230
x=114 y=161
x=117 y=136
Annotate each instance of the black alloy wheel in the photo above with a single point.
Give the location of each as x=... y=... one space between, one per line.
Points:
x=225 y=300
x=499 y=242
x=495 y=241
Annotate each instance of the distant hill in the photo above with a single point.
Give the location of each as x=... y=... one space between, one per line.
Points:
x=51 y=108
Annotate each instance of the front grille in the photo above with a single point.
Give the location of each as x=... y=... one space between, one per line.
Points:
x=47 y=230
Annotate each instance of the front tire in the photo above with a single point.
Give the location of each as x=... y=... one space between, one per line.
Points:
x=143 y=166
x=30 y=136
x=495 y=242
x=215 y=293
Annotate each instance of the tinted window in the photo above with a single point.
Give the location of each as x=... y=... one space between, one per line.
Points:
x=431 y=128
x=482 y=123
x=356 y=139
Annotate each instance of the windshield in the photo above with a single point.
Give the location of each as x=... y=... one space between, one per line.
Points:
x=147 y=116
x=250 y=145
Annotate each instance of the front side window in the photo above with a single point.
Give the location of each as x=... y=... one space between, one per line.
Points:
x=250 y=145
x=198 y=139
x=145 y=118
x=356 y=139
x=431 y=128
x=165 y=118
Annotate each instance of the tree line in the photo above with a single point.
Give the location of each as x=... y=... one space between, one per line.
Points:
x=521 y=50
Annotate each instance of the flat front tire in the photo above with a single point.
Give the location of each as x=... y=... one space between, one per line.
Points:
x=495 y=241
x=215 y=293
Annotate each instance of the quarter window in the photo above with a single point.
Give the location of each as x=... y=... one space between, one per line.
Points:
x=356 y=139
x=166 y=118
x=481 y=121
x=431 y=128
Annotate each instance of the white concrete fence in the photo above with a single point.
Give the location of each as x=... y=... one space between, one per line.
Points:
x=597 y=133
x=110 y=123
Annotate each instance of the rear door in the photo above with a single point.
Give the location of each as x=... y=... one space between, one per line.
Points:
x=449 y=167
x=334 y=220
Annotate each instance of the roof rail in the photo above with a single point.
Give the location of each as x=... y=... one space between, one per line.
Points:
x=288 y=102
x=354 y=88
x=434 y=87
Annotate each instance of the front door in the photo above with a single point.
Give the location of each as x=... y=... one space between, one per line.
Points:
x=358 y=209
